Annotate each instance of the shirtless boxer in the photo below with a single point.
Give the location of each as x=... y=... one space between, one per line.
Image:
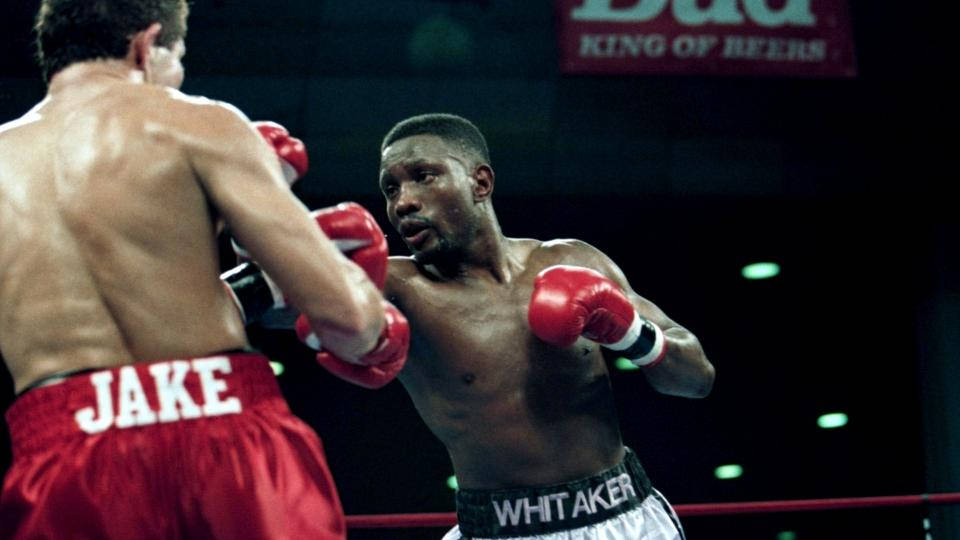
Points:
x=139 y=415
x=505 y=360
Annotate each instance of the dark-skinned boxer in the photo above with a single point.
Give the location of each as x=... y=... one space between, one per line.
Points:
x=506 y=364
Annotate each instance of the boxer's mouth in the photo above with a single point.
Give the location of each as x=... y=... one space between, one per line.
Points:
x=415 y=231
x=417 y=239
x=413 y=228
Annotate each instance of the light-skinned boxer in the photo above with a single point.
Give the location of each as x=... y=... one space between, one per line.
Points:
x=139 y=414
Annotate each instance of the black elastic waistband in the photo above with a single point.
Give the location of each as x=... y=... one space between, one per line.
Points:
x=539 y=510
x=55 y=378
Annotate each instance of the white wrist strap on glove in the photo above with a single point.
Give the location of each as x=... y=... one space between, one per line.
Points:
x=643 y=344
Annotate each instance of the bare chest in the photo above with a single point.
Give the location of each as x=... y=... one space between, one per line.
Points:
x=475 y=342
x=471 y=329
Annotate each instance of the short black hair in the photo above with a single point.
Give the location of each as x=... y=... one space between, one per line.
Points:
x=453 y=129
x=71 y=31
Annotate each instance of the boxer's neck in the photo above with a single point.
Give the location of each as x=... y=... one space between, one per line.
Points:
x=93 y=73
x=490 y=255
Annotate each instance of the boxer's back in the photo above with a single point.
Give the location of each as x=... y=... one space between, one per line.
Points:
x=107 y=245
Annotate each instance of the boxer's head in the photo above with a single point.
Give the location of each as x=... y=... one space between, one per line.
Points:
x=148 y=33
x=436 y=177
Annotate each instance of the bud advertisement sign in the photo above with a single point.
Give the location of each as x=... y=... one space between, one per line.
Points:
x=806 y=38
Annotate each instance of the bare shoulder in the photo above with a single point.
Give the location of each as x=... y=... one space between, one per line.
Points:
x=565 y=245
x=14 y=132
x=12 y=127
x=196 y=115
x=566 y=251
x=24 y=142
x=217 y=138
x=402 y=271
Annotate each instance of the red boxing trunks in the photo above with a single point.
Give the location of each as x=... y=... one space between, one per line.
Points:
x=198 y=448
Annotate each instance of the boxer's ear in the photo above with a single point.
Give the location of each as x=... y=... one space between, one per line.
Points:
x=483 y=179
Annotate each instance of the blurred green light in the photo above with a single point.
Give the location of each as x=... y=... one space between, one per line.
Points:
x=760 y=270
x=728 y=472
x=277 y=368
x=441 y=42
x=452 y=483
x=832 y=420
x=786 y=535
x=625 y=364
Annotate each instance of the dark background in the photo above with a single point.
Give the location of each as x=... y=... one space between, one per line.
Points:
x=682 y=180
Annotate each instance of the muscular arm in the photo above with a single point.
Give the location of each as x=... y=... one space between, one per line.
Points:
x=243 y=181
x=685 y=371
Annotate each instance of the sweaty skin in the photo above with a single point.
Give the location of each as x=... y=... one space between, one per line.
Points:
x=511 y=410
x=110 y=191
x=109 y=251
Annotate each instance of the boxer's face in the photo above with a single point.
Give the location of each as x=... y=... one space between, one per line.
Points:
x=428 y=190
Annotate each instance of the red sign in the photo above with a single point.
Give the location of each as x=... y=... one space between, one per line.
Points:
x=807 y=38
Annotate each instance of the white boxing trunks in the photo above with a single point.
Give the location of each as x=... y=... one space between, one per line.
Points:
x=617 y=504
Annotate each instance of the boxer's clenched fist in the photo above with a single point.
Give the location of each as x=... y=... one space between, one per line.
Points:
x=570 y=301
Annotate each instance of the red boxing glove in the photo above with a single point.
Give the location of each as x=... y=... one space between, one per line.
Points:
x=570 y=301
x=290 y=150
x=357 y=234
x=377 y=367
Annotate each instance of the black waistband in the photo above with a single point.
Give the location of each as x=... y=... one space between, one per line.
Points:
x=539 y=510
x=55 y=378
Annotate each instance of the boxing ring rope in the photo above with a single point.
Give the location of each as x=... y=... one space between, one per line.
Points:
x=449 y=519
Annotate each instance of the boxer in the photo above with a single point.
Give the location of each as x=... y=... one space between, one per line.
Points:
x=139 y=414
x=506 y=364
